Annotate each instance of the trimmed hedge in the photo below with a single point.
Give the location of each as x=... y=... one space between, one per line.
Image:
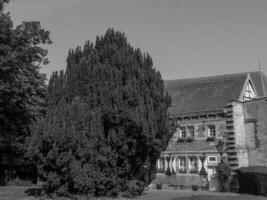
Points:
x=253 y=180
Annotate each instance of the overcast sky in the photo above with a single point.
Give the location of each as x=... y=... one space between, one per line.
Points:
x=186 y=38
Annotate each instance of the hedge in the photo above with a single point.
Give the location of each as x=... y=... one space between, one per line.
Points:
x=253 y=180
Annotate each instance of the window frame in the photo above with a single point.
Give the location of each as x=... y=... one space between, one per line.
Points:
x=191 y=131
x=193 y=166
x=184 y=163
x=216 y=159
x=182 y=131
x=212 y=130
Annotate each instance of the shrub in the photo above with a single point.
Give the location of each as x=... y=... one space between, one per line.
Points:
x=234 y=184
x=158 y=186
x=189 y=139
x=168 y=171
x=19 y=182
x=224 y=172
x=161 y=170
x=253 y=180
x=181 y=171
x=210 y=139
x=194 y=187
x=106 y=121
x=193 y=171
x=181 y=139
x=134 y=188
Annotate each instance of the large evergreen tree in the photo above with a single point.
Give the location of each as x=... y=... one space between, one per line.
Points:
x=106 y=122
x=22 y=87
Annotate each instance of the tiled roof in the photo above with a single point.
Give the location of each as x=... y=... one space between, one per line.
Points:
x=208 y=93
x=195 y=146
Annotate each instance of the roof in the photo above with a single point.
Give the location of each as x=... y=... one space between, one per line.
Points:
x=209 y=93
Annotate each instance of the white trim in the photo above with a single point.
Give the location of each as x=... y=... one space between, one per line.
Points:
x=248 y=79
x=216 y=160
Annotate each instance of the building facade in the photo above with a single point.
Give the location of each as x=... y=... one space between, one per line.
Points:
x=219 y=117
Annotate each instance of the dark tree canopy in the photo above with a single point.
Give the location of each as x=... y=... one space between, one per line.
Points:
x=22 y=87
x=106 y=122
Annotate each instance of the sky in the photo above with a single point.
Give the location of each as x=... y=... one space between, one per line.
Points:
x=186 y=38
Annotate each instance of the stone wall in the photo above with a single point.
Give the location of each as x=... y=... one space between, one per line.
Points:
x=256 y=131
x=201 y=127
x=240 y=135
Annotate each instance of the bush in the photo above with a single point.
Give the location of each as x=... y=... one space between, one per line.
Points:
x=134 y=188
x=234 y=184
x=224 y=173
x=106 y=121
x=19 y=182
x=168 y=171
x=193 y=171
x=181 y=139
x=189 y=139
x=158 y=186
x=181 y=171
x=194 y=187
x=253 y=180
x=210 y=139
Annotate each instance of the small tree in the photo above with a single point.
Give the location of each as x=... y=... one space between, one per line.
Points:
x=224 y=173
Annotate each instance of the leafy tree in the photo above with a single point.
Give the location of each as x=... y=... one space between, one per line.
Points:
x=22 y=87
x=106 y=122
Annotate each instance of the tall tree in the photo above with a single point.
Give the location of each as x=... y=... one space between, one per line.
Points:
x=22 y=87
x=106 y=122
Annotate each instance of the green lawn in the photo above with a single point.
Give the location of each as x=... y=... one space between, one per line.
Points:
x=207 y=197
x=14 y=193
x=18 y=193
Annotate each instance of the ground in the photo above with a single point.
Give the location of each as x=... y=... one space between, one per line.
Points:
x=18 y=193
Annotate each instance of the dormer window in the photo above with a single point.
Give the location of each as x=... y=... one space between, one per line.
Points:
x=249 y=93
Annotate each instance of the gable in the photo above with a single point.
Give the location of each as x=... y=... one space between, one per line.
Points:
x=248 y=93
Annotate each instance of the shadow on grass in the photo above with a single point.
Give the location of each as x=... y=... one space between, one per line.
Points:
x=34 y=192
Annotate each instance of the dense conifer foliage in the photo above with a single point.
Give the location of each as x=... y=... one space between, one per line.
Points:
x=106 y=122
x=22 y=87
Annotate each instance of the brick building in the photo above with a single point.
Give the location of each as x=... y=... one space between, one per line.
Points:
x=218 y=117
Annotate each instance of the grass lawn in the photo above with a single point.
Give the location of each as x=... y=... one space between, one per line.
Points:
x=14 y=193
x=18 y=193
x=207 y=197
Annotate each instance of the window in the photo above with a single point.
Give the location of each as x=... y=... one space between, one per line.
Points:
x=193 y=165
x=183 y=132
x=249 y=93
x=191 y=131
x=212 y=159
x=212 y=131
x=182 y=165
x=161 y=165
